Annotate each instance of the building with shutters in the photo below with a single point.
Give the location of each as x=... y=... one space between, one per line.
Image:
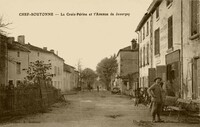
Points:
x=169 y=43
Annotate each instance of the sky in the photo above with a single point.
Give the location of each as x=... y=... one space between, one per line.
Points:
x=85 y=38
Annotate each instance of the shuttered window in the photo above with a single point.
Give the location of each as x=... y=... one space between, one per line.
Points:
x=157 y=12
x=170 y=32
x=143 y=33
x=194 y=16
x=157 y=41
x=147 y=54
x=147 y=28
x=144 y=56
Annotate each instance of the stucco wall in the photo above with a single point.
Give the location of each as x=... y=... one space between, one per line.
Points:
x=12 y=69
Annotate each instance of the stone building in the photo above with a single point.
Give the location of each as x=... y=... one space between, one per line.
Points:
x=169 y=43
x=127 y=73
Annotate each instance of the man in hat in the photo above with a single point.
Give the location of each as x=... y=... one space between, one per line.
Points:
x=155 y=92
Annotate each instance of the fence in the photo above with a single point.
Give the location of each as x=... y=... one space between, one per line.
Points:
x=26 y=99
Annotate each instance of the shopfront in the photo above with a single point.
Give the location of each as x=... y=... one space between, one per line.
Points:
x=173 y=84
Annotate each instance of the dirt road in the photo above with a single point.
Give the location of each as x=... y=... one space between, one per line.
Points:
x=93 y=109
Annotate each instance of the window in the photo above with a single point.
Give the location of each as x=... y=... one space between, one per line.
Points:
x=194 y=17
x=10 y=82
x=58 y=71
x=144 y=56
x=140 y=35
x=168 y=2
x=38 y=54
x=18 y=54
x=157 y=12
x=55 y=70
x=157 y=41
x=18 y=68
x=147 y=54
x=18 y=82
x=143 y=33
x=140 y=59
x=147 y=28
x=170 y=32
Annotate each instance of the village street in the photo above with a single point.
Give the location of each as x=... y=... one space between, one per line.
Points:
x=93 y=109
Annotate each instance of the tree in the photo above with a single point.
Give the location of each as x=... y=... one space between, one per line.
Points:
x=38 y=71
x=89 y=77
x=3 y=26
x=106 y=68
x=79 y=68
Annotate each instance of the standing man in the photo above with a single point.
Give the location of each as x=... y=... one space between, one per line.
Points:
x=155 y=92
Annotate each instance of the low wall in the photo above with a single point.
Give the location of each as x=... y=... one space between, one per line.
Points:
x=26 y=99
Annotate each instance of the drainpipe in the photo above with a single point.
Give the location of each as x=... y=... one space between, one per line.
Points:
x=151 y=41
x=182 y=93
x=138 y=61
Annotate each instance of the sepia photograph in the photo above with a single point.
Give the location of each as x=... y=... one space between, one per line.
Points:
x=100 y=63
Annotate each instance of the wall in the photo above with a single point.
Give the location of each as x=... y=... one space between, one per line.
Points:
x=3 y=60
x=55 y=62
x=12 y=70
x=191 y=49
x=129 y=62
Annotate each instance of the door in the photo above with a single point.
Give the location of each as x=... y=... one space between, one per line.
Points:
x=161 y=72
x=198 y=77
x=152 y=76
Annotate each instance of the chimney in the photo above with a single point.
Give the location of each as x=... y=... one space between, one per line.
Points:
x=52 y=50
x=21 y=39
x=11 y=40
x=133 y=44
x=45 y=48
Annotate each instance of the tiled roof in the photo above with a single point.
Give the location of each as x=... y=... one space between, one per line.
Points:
x=35 y=48
x=17 y=46
x=68 y=68
x=152 y=7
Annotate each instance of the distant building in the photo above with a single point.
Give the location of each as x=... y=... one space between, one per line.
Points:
x=3 y=60
x=70 y=78
x=168 y=37
x=127 y=73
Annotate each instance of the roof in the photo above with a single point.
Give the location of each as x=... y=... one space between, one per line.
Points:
x=150 y=10
x=127 y=49
x=68 y=68
x=35 y=48
x=17 y=46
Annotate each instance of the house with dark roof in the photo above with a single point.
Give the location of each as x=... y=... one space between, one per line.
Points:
x=127 y=59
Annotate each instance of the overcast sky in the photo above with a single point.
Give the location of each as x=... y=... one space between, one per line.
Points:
x=88 y=38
